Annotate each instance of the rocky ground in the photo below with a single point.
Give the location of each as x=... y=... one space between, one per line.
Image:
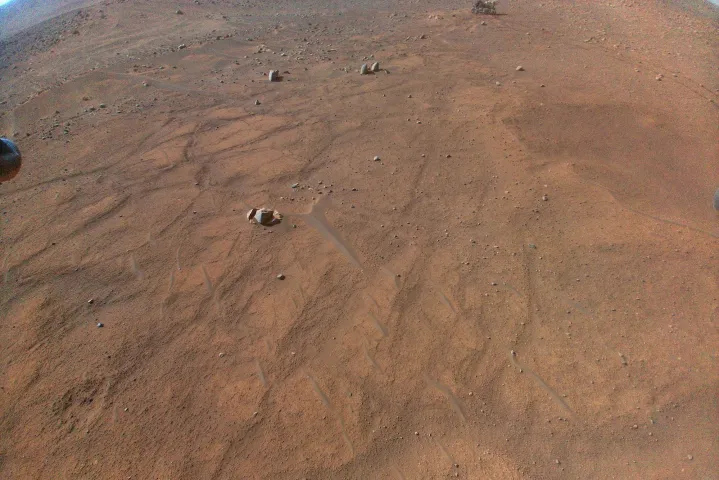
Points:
x=482 y=270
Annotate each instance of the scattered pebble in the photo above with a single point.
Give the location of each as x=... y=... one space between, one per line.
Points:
x=281 y=276
x=90 y=301
x=100 y=325
x=520 y=68
x=689 y=457
x=623 y=359
x=659 y=77
x=182 y=46
x=221 y=355
x=545 y=197
x=376 y=158
x=498 y=84
x=295 y=185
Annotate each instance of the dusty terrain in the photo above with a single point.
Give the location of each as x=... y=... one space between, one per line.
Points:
x=562 y=212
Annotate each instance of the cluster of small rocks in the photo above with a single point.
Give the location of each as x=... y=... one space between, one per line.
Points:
x=485 y=7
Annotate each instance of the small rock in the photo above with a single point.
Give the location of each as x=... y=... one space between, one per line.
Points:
x=483 y=22
x=635 y=426
x=90 y=301
x=689 y=457
x=532 y=246
x=273 y=76
x=545 y=197
x=377 y=159
x=498 y=84
x=557 y=461
x=375 y=67
x=257 y=102
x=520 y=68
x=100 y=325
x=422 y=37
x=363 y=69
x=416 y=433
x=182 y=46
x=221 y=355
x=494 y=284
x=179 y=12
x=659 y=77
x=281 y=276
x=716 y=200
x=295 y=185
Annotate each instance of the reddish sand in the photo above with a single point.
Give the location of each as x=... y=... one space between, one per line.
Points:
x=562 y=213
